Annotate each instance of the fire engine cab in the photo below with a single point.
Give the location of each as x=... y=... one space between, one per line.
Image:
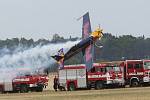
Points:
x=73 y=77
x=136 y=72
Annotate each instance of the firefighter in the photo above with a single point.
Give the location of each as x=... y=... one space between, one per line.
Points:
x=55 y=86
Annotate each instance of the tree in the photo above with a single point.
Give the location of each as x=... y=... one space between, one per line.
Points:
x=56 y=38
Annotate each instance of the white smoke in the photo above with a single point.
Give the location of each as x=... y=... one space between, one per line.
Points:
x=29 y=60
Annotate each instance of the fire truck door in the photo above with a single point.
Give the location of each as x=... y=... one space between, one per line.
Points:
x=138 y=67
x=130 y=69
x=81 y=78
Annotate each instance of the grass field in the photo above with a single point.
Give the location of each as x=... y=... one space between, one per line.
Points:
x=141 y=93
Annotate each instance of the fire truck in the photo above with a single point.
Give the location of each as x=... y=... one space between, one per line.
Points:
x=24 y=83
x=118 y=73
x=136 y=72
x=73 y=77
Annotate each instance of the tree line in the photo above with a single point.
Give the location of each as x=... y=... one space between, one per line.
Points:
x=113 y=48
x=109 y=48
x=14 y=42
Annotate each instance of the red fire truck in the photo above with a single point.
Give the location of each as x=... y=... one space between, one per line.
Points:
x=24 y=83
x=100 y=76
x=136 y=72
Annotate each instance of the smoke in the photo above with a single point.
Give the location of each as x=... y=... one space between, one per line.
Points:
x=29 y=60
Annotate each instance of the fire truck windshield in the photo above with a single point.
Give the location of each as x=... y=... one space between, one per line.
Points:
x=113 y=68
x=116 y=69
x=109 y=68
x=146 y=65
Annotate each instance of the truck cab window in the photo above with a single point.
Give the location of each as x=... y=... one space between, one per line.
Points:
x=109 y=68
x=138 y=66
x=147 y=65
x=103 y=70
x=130 y=66
x=116 y=69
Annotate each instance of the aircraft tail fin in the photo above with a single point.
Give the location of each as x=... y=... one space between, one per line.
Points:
x=59 y=58
x=88 y=52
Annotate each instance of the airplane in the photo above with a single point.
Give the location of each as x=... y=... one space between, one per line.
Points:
x=86 y=45
x=97 y=34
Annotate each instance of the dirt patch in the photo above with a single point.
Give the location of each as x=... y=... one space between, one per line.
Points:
x=50 y=82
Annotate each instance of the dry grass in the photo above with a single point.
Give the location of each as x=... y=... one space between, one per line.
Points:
x=141 y=93
x=107 y=94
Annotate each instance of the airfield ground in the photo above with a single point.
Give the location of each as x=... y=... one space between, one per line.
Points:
x=140 y=93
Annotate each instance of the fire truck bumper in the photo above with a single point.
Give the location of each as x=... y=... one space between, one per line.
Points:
x=146 y=79
x=33 y=85
x=109 y=82
x=119 y=81
x=116 y=81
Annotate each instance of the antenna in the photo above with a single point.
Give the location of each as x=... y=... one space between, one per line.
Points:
x=99 y=25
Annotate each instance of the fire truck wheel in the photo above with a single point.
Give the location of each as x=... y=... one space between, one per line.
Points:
x=71 y=87
x=23 y=89
x=62 y=88
x=134 y=83
x=39 y=89
x=99 y=85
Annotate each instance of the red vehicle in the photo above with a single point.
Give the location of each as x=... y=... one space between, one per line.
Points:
x=129 y=72
x=106 y=74
x=136 y=72
x=25 y=83
x=100 y=76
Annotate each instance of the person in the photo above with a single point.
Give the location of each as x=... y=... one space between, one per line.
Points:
x=55 y=86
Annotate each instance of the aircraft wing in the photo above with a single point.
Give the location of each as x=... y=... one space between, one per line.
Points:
x=78 y=47
x=57 y=57
x=75 y=49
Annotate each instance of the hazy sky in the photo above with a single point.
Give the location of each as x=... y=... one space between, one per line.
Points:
x=40 y=18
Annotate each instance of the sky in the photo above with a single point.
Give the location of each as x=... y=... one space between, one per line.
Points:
x=40 y=19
